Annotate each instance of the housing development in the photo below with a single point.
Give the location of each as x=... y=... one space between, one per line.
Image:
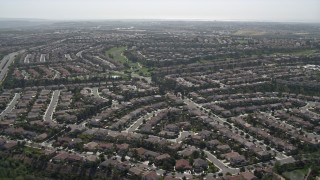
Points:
x=158 y=100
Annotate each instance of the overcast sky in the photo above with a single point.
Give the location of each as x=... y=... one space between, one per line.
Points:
x=252 y=10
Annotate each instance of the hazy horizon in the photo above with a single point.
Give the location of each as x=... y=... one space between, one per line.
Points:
x=228 y=10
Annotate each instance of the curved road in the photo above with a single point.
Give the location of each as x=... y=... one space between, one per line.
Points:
x=10 y=106
x=5 y=64
x=95 y=92
x=223 y=168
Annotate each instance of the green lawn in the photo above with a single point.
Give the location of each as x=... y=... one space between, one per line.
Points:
x=145 y=71
x=296 y=174
x=312 y=155
x=242 y=41
x=116 y=54
x=32 y=151
x=307 y=52
x=249 y=32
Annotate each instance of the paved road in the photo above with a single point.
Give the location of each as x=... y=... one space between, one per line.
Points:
x=282 y=158
x=68 y=57
x=139 y=122
x=111 y=65
x=79 y=54
x=223 y=168
x=148 y=79
x=52 y=106
x=95 y=92
x=5 y=63
x=286 y=160
x=27 y=59
x=57 y=73
x=43 y=58
x=10 y=106
x=50 y=140
x=182 y=136
x=139 y=52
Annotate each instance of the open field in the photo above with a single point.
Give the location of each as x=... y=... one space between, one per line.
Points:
x=116 y=53
x=249 y=32
x=307 y=52
x=296 y=174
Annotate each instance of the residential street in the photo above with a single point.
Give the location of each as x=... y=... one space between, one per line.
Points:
x=52 y=106
x=223 y=168
x=139 y=122
x=282 y=158
x=95 y=92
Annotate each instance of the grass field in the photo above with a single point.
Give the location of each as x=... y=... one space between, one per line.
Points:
x=32 y=151
x=144 y=72
x=116 y=54
x=296 y=174
x=307 y=52
x=249 y=32
x=242 y=41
